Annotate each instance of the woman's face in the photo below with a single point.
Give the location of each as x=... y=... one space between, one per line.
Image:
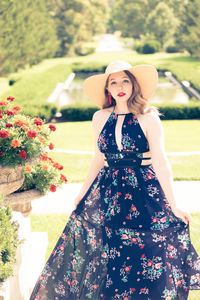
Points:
x=120 y=86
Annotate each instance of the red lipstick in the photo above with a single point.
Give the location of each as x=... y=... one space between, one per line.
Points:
x=121 y=94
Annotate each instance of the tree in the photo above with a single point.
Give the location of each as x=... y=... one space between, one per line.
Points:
x=77 y=21
x=188 y=35
x=162 y=23
x=27 y=34
x=129 y=17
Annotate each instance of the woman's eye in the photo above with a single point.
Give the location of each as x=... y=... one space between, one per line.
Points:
x=113 y=82
x=126 y=80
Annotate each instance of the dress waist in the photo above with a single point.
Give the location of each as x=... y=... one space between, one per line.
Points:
x=125 y=162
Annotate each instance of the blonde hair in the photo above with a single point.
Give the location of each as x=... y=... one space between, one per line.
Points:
x=137 y=104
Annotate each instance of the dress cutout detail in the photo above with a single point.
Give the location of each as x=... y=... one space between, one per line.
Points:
x=123 y=241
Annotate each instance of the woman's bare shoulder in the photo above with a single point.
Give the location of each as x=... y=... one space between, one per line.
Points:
x=100 y=117
x=101 y=114
x=149 y=118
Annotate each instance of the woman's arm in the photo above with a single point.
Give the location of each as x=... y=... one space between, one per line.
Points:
x=155 y=136
x=97 y=161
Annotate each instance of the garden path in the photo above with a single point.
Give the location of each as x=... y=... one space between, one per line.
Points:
x=62 y=201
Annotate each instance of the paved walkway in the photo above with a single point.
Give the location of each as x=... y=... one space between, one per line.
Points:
x=110 y=43
x=62 y=201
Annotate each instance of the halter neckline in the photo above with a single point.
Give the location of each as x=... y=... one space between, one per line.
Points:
x=122 y=114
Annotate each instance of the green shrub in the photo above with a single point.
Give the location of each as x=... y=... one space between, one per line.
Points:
x=44 y=111
x=8 y=242
x=78 y=112
x=84 y=49
x=177 y=111
x=147 y=47
x=169 y=111
x=82 y=67
x=172 y=49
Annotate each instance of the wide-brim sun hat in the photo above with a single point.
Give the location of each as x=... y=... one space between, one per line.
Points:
x=146 y=76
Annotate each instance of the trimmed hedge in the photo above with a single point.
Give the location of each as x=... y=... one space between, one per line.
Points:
x=78 y=112
x=178 y=111
x=168 y=111
x=44 y=111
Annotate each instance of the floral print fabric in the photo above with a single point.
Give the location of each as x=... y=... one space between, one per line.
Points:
x=123 y=241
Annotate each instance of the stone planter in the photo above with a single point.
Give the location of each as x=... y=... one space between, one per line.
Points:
x=12 y=178
x=21 y=201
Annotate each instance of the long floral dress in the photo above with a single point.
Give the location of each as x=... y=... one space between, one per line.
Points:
x=123 y=241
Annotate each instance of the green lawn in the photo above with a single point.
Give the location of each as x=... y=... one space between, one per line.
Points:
x=54 y=225
x=180 y=136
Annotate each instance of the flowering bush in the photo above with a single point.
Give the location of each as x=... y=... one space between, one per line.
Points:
x=44 y=176
x=21 y=137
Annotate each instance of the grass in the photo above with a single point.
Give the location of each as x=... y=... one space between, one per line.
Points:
x=79 y=136
x=54 y=225
x=36 y=86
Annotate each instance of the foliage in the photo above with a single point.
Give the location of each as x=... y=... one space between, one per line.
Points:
x=147 y=46
x=83 y=49
x=8 y=242
x=27 y=34
x=129 y=17
x=77 y=21
x=172 y=49
x=43 y=176
x=169 y=111
x=162 y=23
x=189 y=32
x=21 y=137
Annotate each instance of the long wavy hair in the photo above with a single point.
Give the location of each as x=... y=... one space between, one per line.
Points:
x=137 y=104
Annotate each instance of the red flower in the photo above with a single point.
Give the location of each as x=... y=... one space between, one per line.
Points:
x=9 y=112
x=8 y=125
x=11 y=98
x=16 y=108
x=63 y=178
x=1 y=154
x=52 y=188
x=23 y=154
x=51 y=146
x=31 y=134
x=57 y=166
x=127 y=269
x=44 y=157
x=4 y=134
x=3 y=103
x=52 y=127
x=38 y=121
x=1 y=116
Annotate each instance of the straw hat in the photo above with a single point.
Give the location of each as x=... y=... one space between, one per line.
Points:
x=146 y=75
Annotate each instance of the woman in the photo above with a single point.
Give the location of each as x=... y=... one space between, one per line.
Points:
x=126 y=239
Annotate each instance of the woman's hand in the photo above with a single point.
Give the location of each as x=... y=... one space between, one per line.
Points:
x=184 y=216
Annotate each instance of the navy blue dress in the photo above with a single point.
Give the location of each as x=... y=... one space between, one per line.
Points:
x=123 y=241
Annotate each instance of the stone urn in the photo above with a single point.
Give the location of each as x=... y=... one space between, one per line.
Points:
x=11 y=179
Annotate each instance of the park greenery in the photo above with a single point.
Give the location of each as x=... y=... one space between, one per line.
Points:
x=34 y=30
x=9 y=242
